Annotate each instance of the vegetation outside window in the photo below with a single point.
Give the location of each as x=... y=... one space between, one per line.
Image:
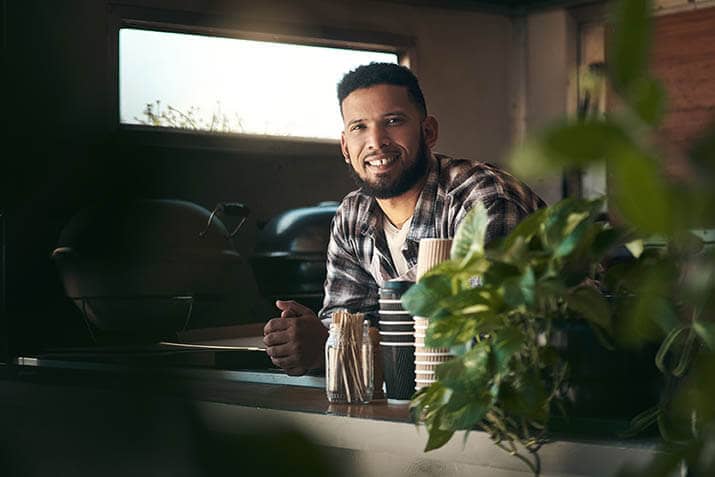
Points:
x=229 y=85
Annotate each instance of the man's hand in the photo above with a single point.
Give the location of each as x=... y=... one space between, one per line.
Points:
x=296 y=340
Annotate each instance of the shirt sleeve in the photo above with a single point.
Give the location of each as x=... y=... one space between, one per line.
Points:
x=503 y=213
x=347 y=285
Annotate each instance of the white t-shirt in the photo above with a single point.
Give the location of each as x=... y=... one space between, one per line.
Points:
x=395 y=242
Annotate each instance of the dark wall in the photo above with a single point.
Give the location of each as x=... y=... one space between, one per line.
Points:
x=67 y=153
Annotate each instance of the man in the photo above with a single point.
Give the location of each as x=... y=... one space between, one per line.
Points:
x=406 y=193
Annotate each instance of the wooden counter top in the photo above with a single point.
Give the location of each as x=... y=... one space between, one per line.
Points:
x=298 y=398
x=377 y=439
x=205 y=386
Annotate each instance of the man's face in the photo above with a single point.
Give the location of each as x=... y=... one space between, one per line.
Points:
x=386 y=141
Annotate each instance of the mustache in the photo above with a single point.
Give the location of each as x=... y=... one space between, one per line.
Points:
x=382 y=152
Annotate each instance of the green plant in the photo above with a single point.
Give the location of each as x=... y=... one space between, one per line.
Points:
x=173 y=117
x=505 y=377
x=506 y=374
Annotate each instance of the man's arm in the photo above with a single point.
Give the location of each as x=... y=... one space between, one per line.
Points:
x=348 y=283
x=507 y=199
x=295 y=341
x=504 y=215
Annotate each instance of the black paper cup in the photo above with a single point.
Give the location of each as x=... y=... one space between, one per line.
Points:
x=390 y=304
x=396 y=326
x=390 y=315
x=393 y=289
x=397 y=337
x=399 y=371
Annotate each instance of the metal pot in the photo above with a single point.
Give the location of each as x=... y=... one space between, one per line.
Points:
x=290 y=254
x=151 y=267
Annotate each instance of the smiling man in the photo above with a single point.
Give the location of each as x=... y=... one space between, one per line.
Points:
x=406 y=193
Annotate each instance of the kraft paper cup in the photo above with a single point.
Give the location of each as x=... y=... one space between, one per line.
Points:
x=435 y=358
x=431 y=252
x=426 y=359
x=425 y=373
x=433 y=352
x=425 y=367
x=420 y=326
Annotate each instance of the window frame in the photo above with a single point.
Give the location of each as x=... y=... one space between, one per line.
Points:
x=230 y=26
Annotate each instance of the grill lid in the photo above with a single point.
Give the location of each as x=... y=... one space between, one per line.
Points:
x=298 y=233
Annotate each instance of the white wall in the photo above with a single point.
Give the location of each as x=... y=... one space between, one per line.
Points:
x=551 y=46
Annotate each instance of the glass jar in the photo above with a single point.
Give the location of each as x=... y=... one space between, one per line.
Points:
x=349 y=365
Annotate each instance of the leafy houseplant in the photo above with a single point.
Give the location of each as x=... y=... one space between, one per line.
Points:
x=506 y=373
x=506 y=376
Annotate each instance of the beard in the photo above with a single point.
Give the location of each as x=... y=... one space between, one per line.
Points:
x=389 y=187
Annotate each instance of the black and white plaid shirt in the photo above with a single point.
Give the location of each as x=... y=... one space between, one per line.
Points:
x=359 y=260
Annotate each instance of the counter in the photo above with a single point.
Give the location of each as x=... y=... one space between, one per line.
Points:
x=45 y=405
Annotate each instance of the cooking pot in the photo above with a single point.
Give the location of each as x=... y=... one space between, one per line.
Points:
x=152 y=267
x=290 y=254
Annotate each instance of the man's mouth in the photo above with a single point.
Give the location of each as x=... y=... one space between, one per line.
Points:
x=382 y=161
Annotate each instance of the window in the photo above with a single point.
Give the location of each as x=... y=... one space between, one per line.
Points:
x=230 y=85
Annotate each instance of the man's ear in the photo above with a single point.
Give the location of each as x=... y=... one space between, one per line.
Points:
x=430 y=129
x=344 y=147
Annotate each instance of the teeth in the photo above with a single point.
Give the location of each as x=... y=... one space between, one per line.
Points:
x=379 y=162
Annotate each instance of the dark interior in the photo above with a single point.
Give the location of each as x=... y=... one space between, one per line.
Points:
x=70 y=153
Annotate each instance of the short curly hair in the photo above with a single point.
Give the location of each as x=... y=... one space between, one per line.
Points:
x=382 y=73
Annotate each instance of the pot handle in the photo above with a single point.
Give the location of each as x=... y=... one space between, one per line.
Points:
x=234 y=209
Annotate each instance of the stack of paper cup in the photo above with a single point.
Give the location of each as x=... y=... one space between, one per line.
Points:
x=432 y=251
x=397 y=342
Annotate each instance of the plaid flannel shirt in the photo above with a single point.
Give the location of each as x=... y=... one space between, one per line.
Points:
x=359 y=260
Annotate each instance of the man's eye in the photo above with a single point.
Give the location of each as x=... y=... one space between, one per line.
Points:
x=394 y=121
x=357 y=127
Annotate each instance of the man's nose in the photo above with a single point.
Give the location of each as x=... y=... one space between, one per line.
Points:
x=378 y=138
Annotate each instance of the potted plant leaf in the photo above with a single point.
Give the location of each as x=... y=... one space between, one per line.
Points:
x=507 y=375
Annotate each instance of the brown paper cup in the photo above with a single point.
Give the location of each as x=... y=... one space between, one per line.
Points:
x=425 y=367
x=426 y=362
x=431 y=252
x=420 y=327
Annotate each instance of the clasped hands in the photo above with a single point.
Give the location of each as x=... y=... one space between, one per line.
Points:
x=296 y=340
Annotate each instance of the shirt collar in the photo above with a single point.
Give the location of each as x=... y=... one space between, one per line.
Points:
x=423 y=219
